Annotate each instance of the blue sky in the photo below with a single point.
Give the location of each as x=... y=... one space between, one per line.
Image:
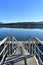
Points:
x=21 y=10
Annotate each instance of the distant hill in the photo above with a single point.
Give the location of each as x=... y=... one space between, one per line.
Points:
x=23 y=25
x=1 y=23
x=41 y=22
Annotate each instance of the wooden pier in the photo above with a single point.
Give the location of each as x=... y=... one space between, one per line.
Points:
x=20 y=52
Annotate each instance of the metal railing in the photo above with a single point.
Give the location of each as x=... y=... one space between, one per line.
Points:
x=37 y=51
x=4 y=50
x=32 y=47
x=38 y=54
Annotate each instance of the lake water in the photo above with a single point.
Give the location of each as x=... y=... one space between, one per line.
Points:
x=21 y=34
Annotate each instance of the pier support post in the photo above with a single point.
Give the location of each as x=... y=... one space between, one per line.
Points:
x=25 y=61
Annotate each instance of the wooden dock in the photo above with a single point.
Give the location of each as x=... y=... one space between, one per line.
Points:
x=20 y=52
x=30 y=61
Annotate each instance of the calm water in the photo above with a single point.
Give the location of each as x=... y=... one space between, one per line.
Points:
x=21 y=34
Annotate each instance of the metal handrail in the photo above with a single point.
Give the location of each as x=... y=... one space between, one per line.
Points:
x=2 y=42
x=37 y=40
x=36 y=52
x=5 y=46
x=39 y=50
x=3 y=57
x=39 y=57
x=4 y=50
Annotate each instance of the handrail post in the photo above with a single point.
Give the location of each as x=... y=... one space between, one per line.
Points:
x=32 y=48
x=12 y=44
x=29 y=46
x=35 y=50
x=9 y=46
x=4 y=46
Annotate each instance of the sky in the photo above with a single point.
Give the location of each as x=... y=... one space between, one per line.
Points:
x=21 y=10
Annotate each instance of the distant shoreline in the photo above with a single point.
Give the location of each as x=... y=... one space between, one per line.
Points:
x=22 y=25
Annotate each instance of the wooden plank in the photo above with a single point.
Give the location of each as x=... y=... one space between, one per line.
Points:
x=31 y=61
x=18 y=59
x=19 y=63
x=13 y=56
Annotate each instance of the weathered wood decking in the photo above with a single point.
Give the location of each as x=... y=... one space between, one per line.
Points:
x=30 y=61
x=21 y=52
x=19 y=59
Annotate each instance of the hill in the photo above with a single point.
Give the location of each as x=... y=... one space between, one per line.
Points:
x=23 y=25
